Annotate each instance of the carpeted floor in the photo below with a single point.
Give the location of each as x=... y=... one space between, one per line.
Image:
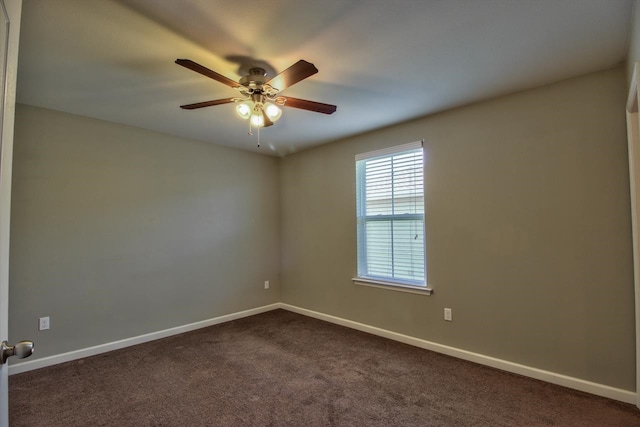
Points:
x=283 y=369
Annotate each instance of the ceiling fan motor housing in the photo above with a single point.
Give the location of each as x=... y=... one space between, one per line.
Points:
x=255 y=80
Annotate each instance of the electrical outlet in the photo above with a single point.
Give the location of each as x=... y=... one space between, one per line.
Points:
x=43 y=323
x=447 y=315
x=266 y=284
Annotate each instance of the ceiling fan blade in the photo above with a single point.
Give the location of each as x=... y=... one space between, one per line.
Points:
x=194 y=66
x=207 y=103
x=303 y=104
x=292 y=75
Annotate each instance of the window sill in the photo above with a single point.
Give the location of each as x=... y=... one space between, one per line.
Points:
x=427 y=290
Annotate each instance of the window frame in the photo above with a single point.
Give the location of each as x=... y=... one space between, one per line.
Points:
x=381 y=281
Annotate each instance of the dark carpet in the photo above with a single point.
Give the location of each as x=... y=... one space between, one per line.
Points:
x=284 y=369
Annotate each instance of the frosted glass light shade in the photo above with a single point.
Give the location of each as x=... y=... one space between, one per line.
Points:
x=257 y=120
x=272 y=111
x=244 y=109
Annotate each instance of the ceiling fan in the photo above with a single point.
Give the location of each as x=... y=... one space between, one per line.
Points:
x=260 y=101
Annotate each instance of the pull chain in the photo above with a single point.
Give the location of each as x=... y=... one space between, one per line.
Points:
x=251 y=132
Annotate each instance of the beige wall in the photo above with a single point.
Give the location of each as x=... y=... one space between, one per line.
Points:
x=118 y=232
x=527 y=222
x=634 y=41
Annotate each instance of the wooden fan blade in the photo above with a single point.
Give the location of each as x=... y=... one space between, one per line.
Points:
x=292 y=75
x=303 y=104
x=207 y=103
x=194 y=66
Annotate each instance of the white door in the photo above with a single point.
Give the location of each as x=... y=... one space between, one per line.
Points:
x=9 y=33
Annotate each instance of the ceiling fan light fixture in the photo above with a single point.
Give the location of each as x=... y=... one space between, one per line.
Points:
x=257 y=120
x=272 y=111
x=244 y=109
x=259 y=102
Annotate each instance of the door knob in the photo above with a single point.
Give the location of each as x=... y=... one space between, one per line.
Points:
x=20 y=350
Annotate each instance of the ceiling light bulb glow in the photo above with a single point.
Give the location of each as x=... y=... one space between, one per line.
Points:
x=257 y=120
x=273 y=112
x=243 y=110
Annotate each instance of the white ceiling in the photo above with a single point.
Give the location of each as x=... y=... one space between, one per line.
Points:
x=381 y=61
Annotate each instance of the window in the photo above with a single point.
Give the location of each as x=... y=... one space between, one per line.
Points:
x=390 y=216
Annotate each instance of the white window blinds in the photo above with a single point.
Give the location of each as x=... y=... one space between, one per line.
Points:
x=390 y=215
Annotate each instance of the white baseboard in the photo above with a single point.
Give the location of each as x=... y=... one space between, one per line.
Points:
x=539 y=374
x=550 y=377
x=29 y=365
